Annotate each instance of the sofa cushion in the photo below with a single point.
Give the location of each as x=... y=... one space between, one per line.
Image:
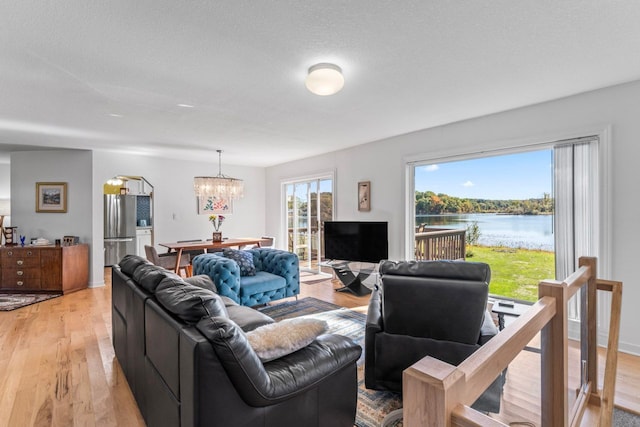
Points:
x=262 y=282
x=202 y=281
x=228 y=301
x=244 y=260
x=129 y=263
x=189 y=302
x=287 y=336
x=149 y=276
x=247 y=318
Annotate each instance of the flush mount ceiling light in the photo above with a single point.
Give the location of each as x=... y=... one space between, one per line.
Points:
x=219 y=186
x=324 y=79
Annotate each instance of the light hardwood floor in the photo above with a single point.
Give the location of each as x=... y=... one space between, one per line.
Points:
x=57 y=365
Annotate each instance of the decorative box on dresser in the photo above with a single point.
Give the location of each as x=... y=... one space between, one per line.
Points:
x=44 y=268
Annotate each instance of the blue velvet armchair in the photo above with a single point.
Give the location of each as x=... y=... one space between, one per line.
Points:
x=277 y=276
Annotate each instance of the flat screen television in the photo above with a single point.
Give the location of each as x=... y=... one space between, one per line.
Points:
x=365 y=241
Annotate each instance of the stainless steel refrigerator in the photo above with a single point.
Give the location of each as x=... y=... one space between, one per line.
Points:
x=119 y=227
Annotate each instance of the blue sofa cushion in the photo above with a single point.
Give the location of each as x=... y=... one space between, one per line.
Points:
x=261 y=283
x=244 y=260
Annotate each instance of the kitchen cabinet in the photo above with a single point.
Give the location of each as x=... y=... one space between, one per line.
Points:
x=44 y=268
x=137 y=187
x=143 y=236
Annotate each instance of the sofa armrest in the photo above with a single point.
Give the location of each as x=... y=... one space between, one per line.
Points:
x=374 y=312
x=282 y=263
x=372 y=328
x=265 y=384
x=224 y=272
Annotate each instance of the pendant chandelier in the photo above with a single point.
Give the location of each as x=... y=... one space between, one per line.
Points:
x=219 y=186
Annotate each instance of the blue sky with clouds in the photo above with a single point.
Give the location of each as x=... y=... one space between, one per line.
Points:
x=515 y=176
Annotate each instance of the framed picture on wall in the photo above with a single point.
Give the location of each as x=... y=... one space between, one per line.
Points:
x=364 y=196
x=214 y=206
x=51 y=197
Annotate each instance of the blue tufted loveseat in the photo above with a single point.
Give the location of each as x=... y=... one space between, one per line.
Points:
x=277 y=276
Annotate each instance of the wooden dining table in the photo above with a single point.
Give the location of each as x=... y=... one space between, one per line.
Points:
x=178 y=247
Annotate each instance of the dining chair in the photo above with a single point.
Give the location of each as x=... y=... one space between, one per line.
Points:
x=267 y=242
x=168 y=260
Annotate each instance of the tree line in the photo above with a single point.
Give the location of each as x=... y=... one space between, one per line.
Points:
x=430 y=203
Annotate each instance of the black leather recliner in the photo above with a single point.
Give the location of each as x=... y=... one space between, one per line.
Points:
x=428 y=308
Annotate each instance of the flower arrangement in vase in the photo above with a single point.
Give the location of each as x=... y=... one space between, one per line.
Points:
x=217 y=221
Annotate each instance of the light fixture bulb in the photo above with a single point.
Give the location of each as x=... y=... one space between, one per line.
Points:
x=219 y=186
x=324 y=79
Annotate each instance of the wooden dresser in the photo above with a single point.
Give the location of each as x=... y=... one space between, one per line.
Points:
x=44 y=268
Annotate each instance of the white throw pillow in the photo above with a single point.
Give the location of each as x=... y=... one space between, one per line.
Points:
x=281 y=338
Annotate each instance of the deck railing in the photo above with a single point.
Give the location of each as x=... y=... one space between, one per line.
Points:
x=301 y=246
x=439 y=394
x=440 y=243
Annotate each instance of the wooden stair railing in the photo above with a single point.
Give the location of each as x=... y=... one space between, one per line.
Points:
x=438 y=394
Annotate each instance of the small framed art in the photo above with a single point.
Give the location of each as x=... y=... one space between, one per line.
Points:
x=214 y=206
x=364 y=196
x=51 y=197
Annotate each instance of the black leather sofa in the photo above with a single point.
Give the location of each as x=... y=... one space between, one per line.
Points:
x=188 y=369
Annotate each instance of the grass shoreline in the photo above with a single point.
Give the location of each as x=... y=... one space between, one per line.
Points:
x=515 y=272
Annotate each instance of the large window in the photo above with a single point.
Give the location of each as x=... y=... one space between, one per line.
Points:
x=528 y=214
x=505 y=204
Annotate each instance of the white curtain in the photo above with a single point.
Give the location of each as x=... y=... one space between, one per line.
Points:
x=576 y=206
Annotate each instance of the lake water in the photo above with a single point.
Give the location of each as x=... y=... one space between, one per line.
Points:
x=515 y=231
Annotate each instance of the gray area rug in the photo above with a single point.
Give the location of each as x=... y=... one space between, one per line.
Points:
x=625 y=419
x=10 y=302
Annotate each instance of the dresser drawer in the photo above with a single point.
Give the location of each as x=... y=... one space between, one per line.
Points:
x=20 y=257
x=11 y=273
x=21 y=278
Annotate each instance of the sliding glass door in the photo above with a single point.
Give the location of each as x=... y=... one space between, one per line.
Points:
x=308 y=203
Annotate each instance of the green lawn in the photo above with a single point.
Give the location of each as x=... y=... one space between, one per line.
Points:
x=515 y=273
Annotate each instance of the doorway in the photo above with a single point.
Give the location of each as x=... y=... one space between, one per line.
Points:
x=128 y=217
x=308 y=203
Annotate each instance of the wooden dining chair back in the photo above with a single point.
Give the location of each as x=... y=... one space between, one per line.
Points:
x=168 y=260
x=268 y=242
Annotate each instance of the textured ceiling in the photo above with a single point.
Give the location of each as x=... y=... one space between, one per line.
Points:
x=110 y=74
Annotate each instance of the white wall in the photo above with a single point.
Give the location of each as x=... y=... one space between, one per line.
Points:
x=175 y=212
x=382 y=163
x=70 y=166
x=5 y=180
x=5 y=185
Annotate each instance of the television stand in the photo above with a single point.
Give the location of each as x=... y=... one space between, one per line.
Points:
x=352 y=279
